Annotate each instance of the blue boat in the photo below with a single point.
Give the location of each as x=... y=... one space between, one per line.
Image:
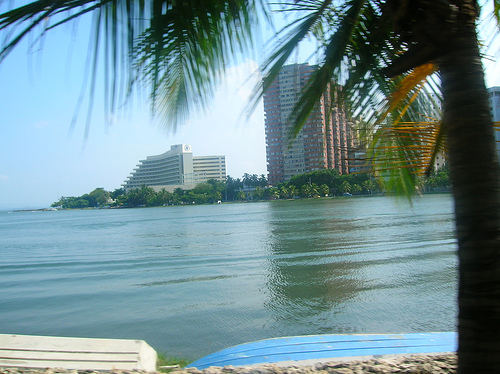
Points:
x=311 y=349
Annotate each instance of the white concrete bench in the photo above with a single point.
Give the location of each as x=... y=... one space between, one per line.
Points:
x=29 y=351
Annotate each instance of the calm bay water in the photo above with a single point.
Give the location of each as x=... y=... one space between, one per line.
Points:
x=191 y=280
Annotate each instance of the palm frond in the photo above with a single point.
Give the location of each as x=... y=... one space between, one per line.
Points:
x=496 y=10
x=143 y=41
x=288 y=38
x=322 y=78
x=400 y=118
x=407 y=135
x=184 y=52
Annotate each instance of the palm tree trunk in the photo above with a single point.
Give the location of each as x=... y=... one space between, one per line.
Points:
x=475 y=176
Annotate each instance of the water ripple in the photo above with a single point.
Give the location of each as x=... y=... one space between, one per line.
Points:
x=184 y=280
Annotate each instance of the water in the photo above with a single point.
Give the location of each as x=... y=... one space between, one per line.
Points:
x=191 y=280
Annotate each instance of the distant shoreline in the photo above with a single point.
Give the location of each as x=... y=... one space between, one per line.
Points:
x=33 y=210
x=224 y=202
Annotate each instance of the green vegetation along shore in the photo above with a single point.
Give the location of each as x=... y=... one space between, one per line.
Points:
x=319 y=183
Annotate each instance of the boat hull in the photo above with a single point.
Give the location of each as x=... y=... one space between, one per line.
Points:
x=323 y=348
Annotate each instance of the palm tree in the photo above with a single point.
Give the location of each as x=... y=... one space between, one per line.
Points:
x=306 y=190
x=272 y=193
x=314 y=190
x=356 y=189
x=163 y=197
x=241 y=195
x=345 y=187
x=284 y=193
x=324 y=189
x=247 y=180
x=257 y=193
x=369 y=186
x=366 y=42
x=179 y=48
x=262 y=180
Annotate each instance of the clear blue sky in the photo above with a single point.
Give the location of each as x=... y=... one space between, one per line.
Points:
x=41 y=160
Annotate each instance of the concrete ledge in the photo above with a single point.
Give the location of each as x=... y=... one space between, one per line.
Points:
x=30 y=351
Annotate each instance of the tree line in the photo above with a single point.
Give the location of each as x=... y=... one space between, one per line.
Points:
x=250 y=187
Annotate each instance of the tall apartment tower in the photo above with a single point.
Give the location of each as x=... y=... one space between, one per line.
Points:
x=324 y=140
x=494 y=97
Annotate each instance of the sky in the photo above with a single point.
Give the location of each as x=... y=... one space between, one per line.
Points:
x=43 y=158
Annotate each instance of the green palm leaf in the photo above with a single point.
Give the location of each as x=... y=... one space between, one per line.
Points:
x=177 y=50
x=359 y=45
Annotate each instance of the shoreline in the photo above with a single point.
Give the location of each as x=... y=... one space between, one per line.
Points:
x=410 y=364
x=52 y=209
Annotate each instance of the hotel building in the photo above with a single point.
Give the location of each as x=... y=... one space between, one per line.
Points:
x=494 y=97
x=176 y=168
x=323 y=142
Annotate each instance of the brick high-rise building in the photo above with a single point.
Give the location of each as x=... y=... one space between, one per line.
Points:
x=323 y=142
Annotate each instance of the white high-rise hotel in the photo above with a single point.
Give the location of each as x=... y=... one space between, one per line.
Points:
x=176 y=168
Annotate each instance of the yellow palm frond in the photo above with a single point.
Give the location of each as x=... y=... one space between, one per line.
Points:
x=407 y=90
x=408 y=135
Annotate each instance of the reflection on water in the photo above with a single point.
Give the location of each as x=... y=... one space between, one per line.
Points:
x=196 y=279
x=308 y=275
x=368 y=260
